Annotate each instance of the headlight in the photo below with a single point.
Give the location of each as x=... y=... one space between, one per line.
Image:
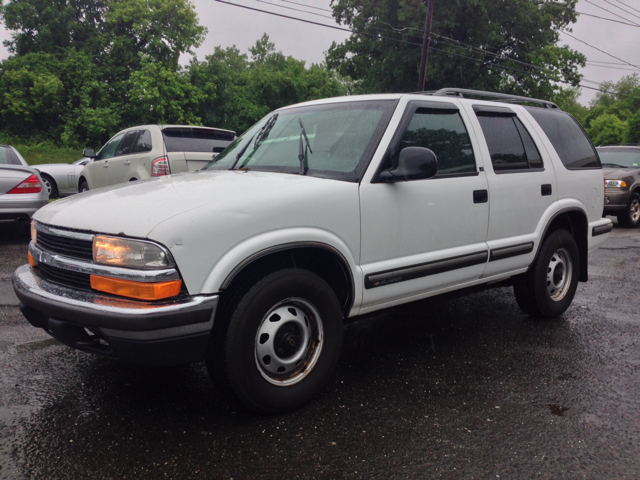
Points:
x=615 y=183
x=123 y=252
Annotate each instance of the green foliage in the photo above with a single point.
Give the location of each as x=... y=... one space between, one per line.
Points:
x=525 y=31
x=633 y=132
x=44 y=152
x=607 y=129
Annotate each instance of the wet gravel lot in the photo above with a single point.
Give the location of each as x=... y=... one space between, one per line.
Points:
x=465 y=388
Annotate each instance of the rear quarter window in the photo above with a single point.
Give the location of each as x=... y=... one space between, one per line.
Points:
x=567 y=137
x=8 y=157
x=195 y=139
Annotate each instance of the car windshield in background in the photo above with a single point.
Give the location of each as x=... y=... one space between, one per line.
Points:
x=8 y=157
x=334 y=140
x=195 y=139
x=620 y=158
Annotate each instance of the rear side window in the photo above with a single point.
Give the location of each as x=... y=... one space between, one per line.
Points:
x=567 y=137
x=510 y=144
x=144 y=142
x=195 y=139
x=7 y=157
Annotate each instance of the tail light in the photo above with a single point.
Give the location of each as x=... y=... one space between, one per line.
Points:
x=30 y=185
x=160 y=167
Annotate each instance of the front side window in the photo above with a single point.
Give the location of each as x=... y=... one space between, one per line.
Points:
x=340 y=139
x=510 y=144
x=110 y=148
x=444 y=133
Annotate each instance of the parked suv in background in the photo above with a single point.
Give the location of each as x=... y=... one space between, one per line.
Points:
x=318 y=213
x=621 y=168
x=149 y=151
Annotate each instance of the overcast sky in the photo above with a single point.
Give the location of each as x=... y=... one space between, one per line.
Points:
x=232 y=25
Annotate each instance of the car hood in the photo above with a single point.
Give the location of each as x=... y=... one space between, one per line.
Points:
x=134 y=209
x=618 y=173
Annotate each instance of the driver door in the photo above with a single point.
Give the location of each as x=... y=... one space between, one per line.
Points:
x=426 y=235
x=99 y=169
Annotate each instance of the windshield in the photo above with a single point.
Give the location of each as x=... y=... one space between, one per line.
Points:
x=340 y=139
x=620 y=158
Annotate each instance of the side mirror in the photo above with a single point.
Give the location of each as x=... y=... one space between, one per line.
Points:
x=89 y=153
x=414 y=163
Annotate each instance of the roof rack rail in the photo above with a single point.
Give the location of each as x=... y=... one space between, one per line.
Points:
x=505 y=97
x=619 y=145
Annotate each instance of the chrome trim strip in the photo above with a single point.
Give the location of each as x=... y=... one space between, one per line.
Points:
x=42 y=227
x=601 y=229
x=416 y=271
x=511 y=251
x=90 y=268
x=24 y=279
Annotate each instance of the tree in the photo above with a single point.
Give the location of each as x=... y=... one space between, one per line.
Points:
x=607 y=129
x=527 y=32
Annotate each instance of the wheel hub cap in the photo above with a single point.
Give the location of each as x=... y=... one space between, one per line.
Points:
x=634 y=210
x=559 y=273
x=288 y=342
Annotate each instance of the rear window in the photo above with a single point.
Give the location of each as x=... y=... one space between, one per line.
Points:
x=195 y=139
x=567 y=137
x=8 y=157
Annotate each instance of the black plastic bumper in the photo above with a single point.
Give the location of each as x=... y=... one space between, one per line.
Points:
x=150 y=333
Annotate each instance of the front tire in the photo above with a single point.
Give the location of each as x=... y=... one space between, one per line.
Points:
x=50 y=185
x=630 y=216
x=84 y=186
x=279 y=346
x=548 y=288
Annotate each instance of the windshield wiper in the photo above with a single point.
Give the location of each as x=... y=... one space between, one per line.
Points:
x=262 y=133
x=301 y=149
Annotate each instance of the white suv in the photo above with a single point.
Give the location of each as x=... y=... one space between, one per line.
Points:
x=147 y=151
x=320 y=212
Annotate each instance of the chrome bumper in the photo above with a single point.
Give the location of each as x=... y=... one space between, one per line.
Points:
x=125 y=325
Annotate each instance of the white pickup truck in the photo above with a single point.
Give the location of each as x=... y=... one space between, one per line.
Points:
x=320 y=212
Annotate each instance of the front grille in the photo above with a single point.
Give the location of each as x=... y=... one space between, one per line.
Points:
x=70 y=247
x=64 y=277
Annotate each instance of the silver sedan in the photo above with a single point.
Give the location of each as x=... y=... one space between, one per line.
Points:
x=21 y=189
x=61 y=179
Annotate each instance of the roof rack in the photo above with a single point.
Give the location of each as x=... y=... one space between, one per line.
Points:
x=505 y=97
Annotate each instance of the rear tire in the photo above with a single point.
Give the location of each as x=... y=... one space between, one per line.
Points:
x=279 y=345
x=548 y=288
x=630 y=216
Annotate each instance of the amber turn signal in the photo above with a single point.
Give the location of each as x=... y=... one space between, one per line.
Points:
x=141 y=291
x=31 y=262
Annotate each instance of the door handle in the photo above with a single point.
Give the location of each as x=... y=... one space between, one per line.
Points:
x=128 y=162
x=545 y=190
x=480 y=196
x=106 y=165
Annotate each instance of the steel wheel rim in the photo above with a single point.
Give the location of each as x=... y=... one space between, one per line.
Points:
x=559 y=274
x=288 y=342
x=634 y=210
x=47 y=185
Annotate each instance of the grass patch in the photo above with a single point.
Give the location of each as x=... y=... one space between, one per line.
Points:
x=47 y=153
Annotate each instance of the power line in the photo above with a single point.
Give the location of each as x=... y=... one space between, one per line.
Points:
x=379 y=37
x=308 y=6
x=620 y=8
x=610 y=12
x=628 y=6
x=608 y=19
x=602 y=51
x=295 y=9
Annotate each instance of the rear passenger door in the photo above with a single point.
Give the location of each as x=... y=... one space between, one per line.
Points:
x=425 y=235
x=522 y=186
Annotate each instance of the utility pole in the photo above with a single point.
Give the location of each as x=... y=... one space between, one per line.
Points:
x=425 y=45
